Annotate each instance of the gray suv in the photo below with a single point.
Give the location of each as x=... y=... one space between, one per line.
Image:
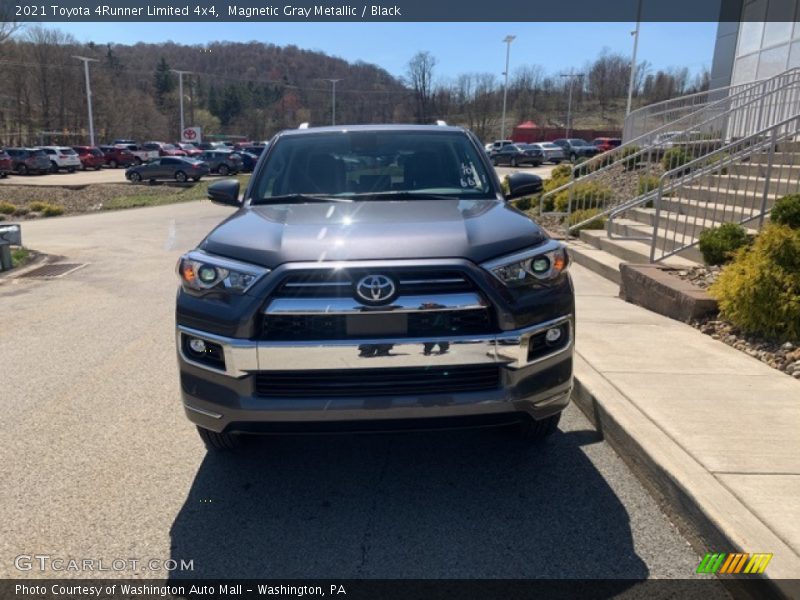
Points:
x=374 y=277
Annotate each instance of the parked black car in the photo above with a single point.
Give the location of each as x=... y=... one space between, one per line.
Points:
x=168 y=167
x=517 y=155
x=223 y=162
x=575 y=148
x=369 y=276
x=249 y=161
x=28 y=161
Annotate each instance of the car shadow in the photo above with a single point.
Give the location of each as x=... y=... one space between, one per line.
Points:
x=454 y=504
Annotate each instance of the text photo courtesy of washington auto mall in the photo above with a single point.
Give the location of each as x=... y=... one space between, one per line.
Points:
x=400 y=301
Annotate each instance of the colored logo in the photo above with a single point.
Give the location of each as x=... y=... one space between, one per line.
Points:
x=734 y=563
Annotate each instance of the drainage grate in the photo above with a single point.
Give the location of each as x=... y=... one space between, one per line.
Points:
x=54 y=270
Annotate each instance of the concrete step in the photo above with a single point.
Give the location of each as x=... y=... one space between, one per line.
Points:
x=780 y=183
x=760 y=170
x=744 y=198
x=667 y=239
x=788 y=147
x=711 y=210
x=690 y=224
x=632 y=251
x=782 y=158
x=596 y=260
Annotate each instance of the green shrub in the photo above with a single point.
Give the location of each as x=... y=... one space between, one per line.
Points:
x=505 y=186
x=52 y=210
x=6 y=208
x=562 y=171
x=759 y=291
x=582 y=215
x=584 y=195
x=37 y=206
x=787 y=211
x=648 y=183
x=718 y=160
x=718 y=245
x=631 y=163
x=523 y=203
x=674 y=158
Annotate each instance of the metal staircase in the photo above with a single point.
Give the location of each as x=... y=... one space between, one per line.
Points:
x=728 y=161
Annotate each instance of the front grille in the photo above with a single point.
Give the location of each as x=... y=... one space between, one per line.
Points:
x=377 y=382
x=333 y=327
x=339 y=283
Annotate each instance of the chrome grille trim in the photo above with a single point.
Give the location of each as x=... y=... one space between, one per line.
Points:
x=402 y=304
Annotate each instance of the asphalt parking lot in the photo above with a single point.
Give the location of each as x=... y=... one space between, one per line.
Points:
x=99 y=460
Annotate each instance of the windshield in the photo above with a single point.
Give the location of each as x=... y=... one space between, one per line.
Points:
x=374 y=163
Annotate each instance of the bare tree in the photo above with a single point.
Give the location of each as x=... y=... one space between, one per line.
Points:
x=420 y=76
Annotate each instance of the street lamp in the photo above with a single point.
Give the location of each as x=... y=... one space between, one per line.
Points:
x=506 y=40
x=180 y=93
x=635 y=34
x=572 y=77
x=86 y=62
x=333 y=100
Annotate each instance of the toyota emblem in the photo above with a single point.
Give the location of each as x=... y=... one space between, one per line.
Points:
x=375 y=289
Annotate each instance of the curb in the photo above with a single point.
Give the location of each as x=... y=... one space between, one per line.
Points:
x=39 y=260
x=689 y=490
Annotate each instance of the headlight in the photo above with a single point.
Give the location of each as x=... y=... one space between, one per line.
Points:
x=529 y=266
x=201 y=272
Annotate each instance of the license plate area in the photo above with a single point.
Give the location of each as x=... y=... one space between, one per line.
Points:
x=382 y=325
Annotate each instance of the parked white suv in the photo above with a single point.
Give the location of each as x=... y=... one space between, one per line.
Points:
x=140 y=154
x=62 y=157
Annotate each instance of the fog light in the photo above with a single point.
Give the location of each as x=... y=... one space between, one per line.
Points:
x=197 y=345
x=207 y=274
x=553 y=335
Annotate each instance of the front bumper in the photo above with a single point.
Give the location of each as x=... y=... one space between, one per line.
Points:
x=225 y=398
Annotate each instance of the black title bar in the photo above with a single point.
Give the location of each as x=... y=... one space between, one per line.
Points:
x=380 y=11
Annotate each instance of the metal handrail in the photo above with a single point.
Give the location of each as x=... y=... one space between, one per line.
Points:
x=702 y=133
x=751 y=205
x=671 y=105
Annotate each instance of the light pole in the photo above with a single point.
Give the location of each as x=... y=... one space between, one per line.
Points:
x=333 y=100
x=635 y=34
x=180 y=93
x=86 y=62
x=506 y=40
x=572 y=77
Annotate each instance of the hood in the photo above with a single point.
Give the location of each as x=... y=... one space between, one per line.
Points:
x=270 y=235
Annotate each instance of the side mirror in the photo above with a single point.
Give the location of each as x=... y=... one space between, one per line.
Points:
x=225 y=192
x=523 y=184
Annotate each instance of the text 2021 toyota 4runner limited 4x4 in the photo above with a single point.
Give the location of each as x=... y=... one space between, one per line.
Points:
x=374 y=277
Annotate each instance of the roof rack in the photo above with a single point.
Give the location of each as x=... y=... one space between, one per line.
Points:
x=441 y=123
x=303 y=126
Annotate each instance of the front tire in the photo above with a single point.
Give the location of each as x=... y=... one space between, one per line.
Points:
x=135 y=177
x=220 y=442
x=53 y=167
x=223 y=170
x=137 y=161
x=112 y=164
x=22 y=169
x=513 y=162
x=537 y=431
x=180 y=177
x=573 y=157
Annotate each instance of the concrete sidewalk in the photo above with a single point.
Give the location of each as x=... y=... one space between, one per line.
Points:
x=716 y=432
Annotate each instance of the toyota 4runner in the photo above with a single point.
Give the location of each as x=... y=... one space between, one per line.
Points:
x=374 y=277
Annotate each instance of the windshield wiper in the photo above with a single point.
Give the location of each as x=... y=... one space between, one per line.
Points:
x=403 y=195
x=299 y=199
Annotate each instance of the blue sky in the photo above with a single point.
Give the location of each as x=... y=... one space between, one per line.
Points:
x=458 y=47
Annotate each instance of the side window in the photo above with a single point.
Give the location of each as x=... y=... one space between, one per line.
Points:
x=169 y=161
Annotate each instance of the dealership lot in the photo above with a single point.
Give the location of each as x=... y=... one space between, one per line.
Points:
x=89 y=367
